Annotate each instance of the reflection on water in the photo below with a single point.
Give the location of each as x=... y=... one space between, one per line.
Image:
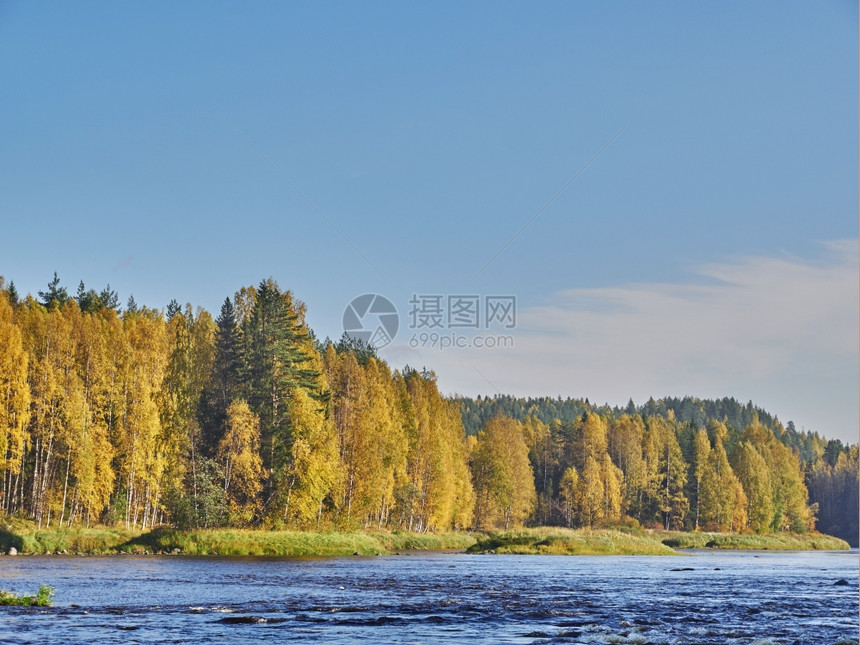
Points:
x=701 y=598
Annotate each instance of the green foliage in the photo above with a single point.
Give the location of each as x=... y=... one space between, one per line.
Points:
x=200 y=501
x=687 y=410
x=735 y=541
x=146 y=420
x=559 y=541
x=289 y=543
x=503 y=476
x=833 y=490
x=41 y=599
x=55 y=296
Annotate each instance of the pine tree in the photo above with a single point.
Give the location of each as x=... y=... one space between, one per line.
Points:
x=56 y=296
x=108 y=298
x=173 y=309
x=12 y=294
x=278 y=354
x=131 y=305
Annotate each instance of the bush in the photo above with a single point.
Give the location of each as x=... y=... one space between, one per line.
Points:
x=41 y=599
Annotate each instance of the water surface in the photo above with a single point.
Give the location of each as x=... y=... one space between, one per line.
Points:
x=704 y=597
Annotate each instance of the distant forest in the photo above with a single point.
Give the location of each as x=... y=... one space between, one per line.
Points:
x=828 y=468
x=146 y=417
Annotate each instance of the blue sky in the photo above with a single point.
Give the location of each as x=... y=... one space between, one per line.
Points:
x=429 y=135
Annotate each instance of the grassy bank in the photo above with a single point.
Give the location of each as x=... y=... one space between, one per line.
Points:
x=550 y=540
x=26 y=538
x=561 y=541
x=289 y=543
x=771 y=542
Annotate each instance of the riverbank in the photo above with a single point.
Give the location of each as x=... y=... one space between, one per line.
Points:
x=26 y=538
x=561 y=541
x=291 y=543
x=740 y=541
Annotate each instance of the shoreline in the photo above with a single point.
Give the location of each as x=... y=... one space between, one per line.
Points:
x=26 y=539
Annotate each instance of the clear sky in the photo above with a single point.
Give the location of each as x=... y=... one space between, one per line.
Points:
x=710 y=249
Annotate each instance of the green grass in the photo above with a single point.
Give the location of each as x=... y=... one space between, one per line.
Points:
x=28 y=539
x=41 y=599
x=288 y=543
x=774 y=541
x=561 y=541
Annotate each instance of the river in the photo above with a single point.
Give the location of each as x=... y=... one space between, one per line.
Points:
x=700 y=598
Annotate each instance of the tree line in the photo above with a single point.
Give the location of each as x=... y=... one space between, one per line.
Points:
x=799 y=468
x=146 y=417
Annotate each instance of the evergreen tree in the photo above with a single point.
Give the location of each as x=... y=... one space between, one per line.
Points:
x=173 y=308
x=279 y=351
x=12 y=294
x=56 y=296
x=109 y=299
x=225 y=380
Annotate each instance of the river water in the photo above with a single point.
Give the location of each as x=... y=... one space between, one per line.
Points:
x=700 y=598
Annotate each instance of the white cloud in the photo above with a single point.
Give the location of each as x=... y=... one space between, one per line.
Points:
x=782 y=331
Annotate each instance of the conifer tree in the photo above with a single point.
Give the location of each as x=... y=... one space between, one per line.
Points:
x=56 y=296
x=278 y=352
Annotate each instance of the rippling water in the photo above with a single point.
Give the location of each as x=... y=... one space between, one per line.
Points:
x=430 y=598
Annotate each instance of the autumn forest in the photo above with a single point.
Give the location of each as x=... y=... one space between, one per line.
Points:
x=145 y=417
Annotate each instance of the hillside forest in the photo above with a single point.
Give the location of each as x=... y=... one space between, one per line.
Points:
x=144 y=417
